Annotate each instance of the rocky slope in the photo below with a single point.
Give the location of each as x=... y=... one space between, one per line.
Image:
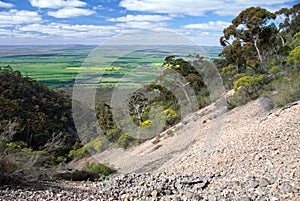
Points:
x=248 y=153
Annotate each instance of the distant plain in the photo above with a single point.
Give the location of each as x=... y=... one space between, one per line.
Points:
x=58 y=66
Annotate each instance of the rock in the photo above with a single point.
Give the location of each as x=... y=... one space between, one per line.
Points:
x=245 y=198
x=274 y=199
x=189 y=195
x=212 y=198
x=168 y=192
x=254 y=184
x=266 y=104
x=154 y=193
x=263 y=182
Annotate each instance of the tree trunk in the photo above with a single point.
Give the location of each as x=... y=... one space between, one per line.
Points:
x=262 y=67
x=282 y=40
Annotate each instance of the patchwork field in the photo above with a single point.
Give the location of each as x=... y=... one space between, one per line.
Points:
x=59 y=65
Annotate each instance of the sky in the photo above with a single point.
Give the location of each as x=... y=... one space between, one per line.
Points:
x=39 y=22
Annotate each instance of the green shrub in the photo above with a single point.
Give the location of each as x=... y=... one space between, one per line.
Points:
x=125 y=141
x=171 y=116
x=94 y=146
x=275 y=69
x=146 y=123
x=284 y=90
x=238 y=76
x=79 y=153
x=99 y=168
x=250 y=84
x=170 y=133
x=294 y=58
x=237 y=99
x=113 y=134
x=16 y=145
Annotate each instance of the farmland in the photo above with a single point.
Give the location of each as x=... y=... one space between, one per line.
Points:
x=58 y=66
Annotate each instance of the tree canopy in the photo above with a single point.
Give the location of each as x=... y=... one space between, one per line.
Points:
x=32 y=113
x=259 y=49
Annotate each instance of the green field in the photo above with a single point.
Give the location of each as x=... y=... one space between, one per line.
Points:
x=59 y=65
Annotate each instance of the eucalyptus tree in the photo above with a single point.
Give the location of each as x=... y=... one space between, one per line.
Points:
x=250 y=39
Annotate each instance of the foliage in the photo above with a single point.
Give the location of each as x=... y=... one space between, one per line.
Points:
x=171 y=116
x=99 y=168
x=94 y=146
x=275 y=69
x=38 y=113
x=294 y=57
x=125 y=141
x=113 y=134
x=104 y=116
x=228 y=73
x=252 y=39
x=146 y=123
x=78 y=153
x=138 y=103
x=250 y=84
x=290 y=25
x=21 y=164
x=261 y=57
x=284 y=90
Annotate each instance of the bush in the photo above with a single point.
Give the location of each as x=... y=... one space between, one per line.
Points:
x=294 y=59
x=94 y=146
x=239 y=98
x=99 y=168
x=275 y=70
x=113 y=134
x=125 y=141
x=146 y=123
x=228 y=74
x=8 y=164
x=250 y=84
x=284 y=90
x=171 y=116
x=79 y=153
x=16 y=145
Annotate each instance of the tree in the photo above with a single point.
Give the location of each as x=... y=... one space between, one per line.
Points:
x=105 y=117
x=40 y=114
x=294 y=58
x=138 y=103
x=290 y=24
x=251 y=34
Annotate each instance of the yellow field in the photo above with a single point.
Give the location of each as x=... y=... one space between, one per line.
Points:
x=94 y=68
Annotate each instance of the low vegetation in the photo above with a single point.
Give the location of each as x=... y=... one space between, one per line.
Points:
x=99 y=168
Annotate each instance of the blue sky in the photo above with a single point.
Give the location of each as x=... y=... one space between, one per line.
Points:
x=95 y=21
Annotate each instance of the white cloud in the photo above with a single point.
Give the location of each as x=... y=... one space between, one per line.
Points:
x=199 y=7
x=206 y=38
x=5 y=5
x=67 y=30
x=57 y=3
x=70 y=12
x=5 y=32
x=213 y=26
x=141 y=21
x=14 y=17
x=141 y=25
x=140 y=18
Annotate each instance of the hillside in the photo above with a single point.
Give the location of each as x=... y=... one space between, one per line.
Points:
x=250 y=152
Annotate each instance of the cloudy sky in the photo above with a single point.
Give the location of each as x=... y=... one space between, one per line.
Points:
x=95 y=21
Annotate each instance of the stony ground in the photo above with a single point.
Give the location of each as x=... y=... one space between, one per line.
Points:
x=248 y=153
